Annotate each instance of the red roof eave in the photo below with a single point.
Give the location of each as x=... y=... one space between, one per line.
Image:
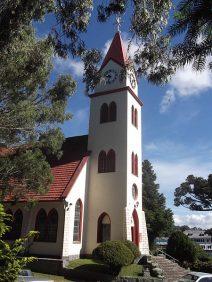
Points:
x=75 y=176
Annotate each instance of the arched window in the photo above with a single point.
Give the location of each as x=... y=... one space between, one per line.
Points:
x=111 y=161
x=102 y=162
x=52 y=225
x=133 y=163
x=17 y=224
x=132 y=114
x=112 y=111
x=134 y=192
x=136 y=118
x=77 y=221
x=41 y=226
x=103 y=228
x=104 y=113
x=136 y=165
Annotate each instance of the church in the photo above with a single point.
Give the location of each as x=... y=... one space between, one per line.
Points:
x=96 y=194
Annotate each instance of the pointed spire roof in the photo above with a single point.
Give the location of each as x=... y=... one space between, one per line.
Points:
x=116 y=52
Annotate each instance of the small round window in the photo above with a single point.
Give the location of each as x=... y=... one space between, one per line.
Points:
x=134 y=192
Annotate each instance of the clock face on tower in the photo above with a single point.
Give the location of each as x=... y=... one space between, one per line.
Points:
x=110 y=76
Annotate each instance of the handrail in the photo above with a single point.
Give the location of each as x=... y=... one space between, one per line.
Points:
x=167 y=255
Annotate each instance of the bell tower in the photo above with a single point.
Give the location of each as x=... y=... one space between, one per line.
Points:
x=115 y=177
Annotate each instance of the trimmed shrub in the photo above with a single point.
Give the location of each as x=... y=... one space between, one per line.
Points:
x=113 y=253
x=181 y=247
x=133 y=248
x=200 y=266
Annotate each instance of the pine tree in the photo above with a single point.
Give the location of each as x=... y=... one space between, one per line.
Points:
x=159 y=218
x=30 y=110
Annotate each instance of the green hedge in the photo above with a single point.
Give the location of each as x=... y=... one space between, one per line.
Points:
x=182 y=248
x=134 y=249
x=114 y=253
x=199 y=266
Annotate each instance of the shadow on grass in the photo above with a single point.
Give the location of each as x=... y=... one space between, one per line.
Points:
x=92 y=272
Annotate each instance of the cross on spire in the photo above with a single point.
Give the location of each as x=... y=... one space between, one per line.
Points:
x=118 y=22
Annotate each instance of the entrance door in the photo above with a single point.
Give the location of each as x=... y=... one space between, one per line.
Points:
x=135 y=228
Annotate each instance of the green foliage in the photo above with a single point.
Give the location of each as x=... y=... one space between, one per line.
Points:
x=200 y=266
x=193 y=22
x=195 y=193
x=113 y=253
x=11 y=261
x=159 y=219
x=181 y=247
x=30 y=110
x=132 y=270
x=133 y=248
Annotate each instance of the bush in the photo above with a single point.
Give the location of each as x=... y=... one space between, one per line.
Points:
x=181 y=247
x=133 y=248
x=202 y=255
x=114 y=253
x=200 y=266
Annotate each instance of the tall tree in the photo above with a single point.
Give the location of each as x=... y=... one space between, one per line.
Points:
x=195 y=193
x=159 y=218
x=30 y=110
x=193 y=22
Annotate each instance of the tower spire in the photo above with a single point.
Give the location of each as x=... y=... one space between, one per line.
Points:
x=116 y=52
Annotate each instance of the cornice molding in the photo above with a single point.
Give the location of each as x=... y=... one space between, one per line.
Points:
x=118 y=90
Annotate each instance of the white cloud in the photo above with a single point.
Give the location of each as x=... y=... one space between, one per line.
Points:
x=186 y=83
x=170 y=174
x=68 y=65
x=203 y=220
x=168 y=99
x=151 y=146
x=80 y=115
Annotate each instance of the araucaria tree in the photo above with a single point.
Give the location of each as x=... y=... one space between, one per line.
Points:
x=29 y=113
x=195 y=193
x=159 y=218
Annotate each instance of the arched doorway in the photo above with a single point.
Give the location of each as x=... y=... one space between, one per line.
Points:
x=103 y=228
x=135 y=228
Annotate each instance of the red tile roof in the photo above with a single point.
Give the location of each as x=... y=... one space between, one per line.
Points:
x=116 y=52
x=66 y=169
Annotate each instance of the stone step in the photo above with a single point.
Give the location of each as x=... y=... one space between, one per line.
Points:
x=172 y=271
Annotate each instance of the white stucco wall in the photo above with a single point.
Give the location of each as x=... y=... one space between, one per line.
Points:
x=71 y=249
x=29 y=218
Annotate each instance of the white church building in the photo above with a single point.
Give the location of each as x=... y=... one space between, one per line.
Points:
x=96 y=194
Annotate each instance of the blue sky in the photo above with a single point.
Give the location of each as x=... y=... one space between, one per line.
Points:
x=177 y=119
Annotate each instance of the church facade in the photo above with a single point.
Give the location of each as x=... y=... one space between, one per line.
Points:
x=96 y=194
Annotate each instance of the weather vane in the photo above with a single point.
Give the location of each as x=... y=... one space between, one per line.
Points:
x=118 y=22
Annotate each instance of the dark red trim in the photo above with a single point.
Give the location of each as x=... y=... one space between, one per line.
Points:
x=136 y=165
x=135 y=229
x=136 y=118
x=75 y=176
x=97 y=94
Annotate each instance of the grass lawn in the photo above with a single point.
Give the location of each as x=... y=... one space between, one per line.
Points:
x=89 y=265
x=50 y=277
x=97 y=266
x=134 y=270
